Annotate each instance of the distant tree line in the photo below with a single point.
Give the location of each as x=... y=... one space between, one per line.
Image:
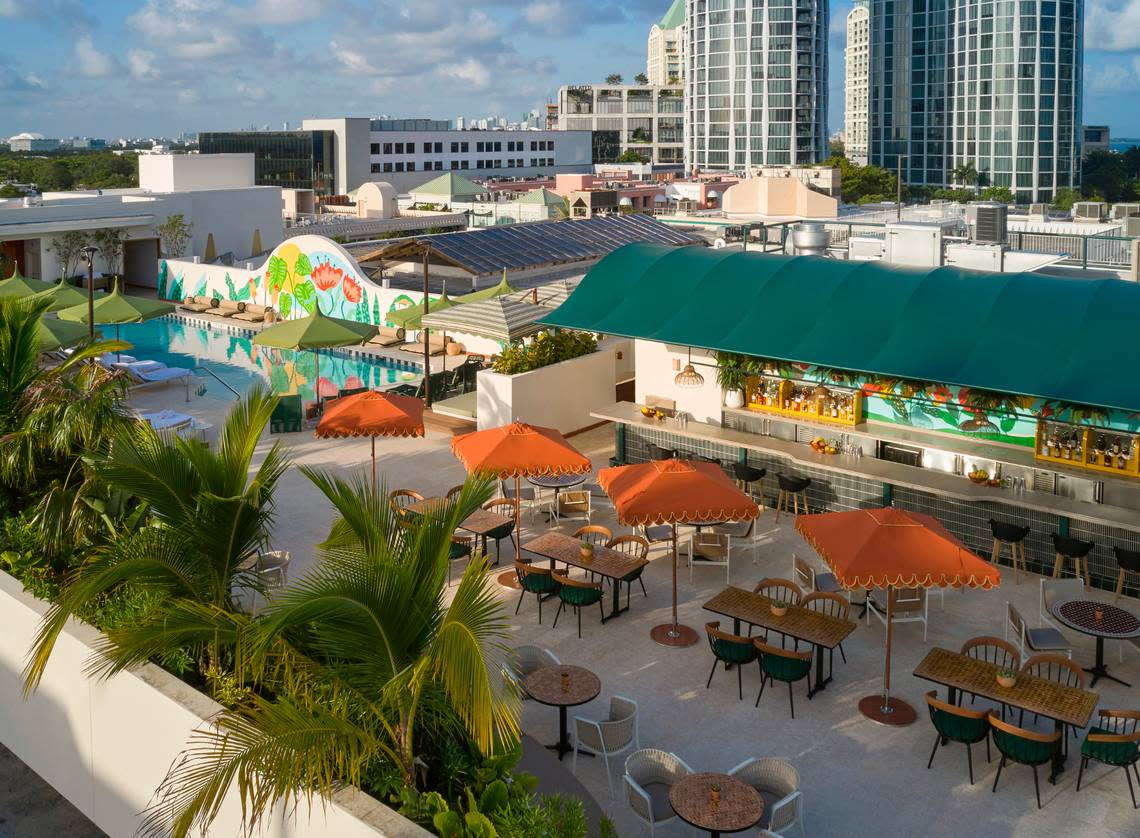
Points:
x=61 y=171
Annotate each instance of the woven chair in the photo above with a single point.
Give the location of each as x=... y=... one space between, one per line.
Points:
x=711 y=549
x=778 y=783
x=1045 y=639
x=784 y=590
x=535 y=580
x=729 y=648
x=453 y=492
x=638 y=547
x=1114 y=740
x=596 y=534
x=649 y=774
x=577 y=594
x=607 y=737
x=1000 y=653
x=398 y=499
x=1025 y=747
x=833 y=605
x=957 y=725
x=527 y=660
x=272 y=568
x=1054 y=591
x=782 y=665
x=573 y=505
x=502 y=506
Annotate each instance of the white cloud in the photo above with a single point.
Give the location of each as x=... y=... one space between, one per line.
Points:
x=282 y=12
x=189 y=96
x=191 y=29
x=141 y=64
x=250 y=93
x=1112 y=25
x=470 y=71
x=354 y=62
x=1110 y=79
x=91 y=61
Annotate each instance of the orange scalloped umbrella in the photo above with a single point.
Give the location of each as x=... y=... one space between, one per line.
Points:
x=372 y=414
x=673 y=492
x=518 y=450
x=893 y=548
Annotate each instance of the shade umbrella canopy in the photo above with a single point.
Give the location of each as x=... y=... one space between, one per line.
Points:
x=117 y=308
x=518 y=450
x=497 y=319
x=672 y=492
x=372 y=414
x=409 y=318
x=55 y=333
x=65 y=295
x=18 y=285
x=893 y=548
x=317 y=331
x=498 y=290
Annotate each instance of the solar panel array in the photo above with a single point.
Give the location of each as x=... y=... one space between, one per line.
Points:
x=518 y=247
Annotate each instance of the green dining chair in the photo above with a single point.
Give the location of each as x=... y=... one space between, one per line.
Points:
x=534 y=580
x=955 y=724
x=782 y=665
x=1114 y=740
x=729 y=648
x=577 y=594
x=1026 y=747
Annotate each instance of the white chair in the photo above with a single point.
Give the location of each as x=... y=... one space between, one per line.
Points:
x=528 y=500
x=1045 y=639
x=710 y=548
x=573 y=505
x=743 y=533
x=1054 y=591
x=908 y=605
x=272 y=567
x=809 y=579
x=649 y=774
x=607 y=737
x=778 y=783
x=527 y=660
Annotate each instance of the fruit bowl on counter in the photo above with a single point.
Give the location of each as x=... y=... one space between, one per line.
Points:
x=823 y=446
x=652 y=413
x=979 y=476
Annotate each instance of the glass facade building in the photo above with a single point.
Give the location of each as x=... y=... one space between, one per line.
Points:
x=995 y=84
x=289 y=159
x=756 y=83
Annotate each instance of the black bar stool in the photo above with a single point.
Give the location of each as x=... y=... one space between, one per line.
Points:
x=1014 y=536
x=1075 y=549
x=656 y=452
x=746 y=475
x=1128 y=560
x=792 y=489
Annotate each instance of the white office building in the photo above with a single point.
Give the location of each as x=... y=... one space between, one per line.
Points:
x=755 y=82
x=856 y=85
x=664 y=63
x=648 y=119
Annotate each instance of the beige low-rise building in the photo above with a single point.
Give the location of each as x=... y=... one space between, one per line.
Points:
x=783 y=197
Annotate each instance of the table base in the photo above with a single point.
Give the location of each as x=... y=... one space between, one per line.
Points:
x=670 y=635
x=1101 y=671
x=896 y=713
x=509 y=579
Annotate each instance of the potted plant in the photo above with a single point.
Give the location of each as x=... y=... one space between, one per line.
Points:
x=1006 y=678
x=714 y=795
x=587 y=551
x=731 y=377
x=779 y=608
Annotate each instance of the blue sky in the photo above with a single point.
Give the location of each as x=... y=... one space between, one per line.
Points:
x=158 y=67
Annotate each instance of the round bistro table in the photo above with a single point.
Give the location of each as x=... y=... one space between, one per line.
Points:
x=1114 y=623
x=740 y=806
x=557 y=482
x=545 y=686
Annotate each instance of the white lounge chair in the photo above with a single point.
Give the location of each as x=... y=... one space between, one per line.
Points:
x=147 y=373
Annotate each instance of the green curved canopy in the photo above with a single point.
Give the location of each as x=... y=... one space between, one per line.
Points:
x=317 y=331
x=1050 y=337
x=65 y=295
x=117 y=307
x=409 y=317
x=18 y=285
x=55 y=333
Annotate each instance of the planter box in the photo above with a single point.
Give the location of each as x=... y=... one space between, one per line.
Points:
x=105 y=745
x=558 y=396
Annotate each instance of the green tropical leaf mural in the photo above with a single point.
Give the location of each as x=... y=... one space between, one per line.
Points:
x=277 y=271
x=285 y=305
x=306 y=295
x=303 y=266
x=162 y=280
x=201 y=292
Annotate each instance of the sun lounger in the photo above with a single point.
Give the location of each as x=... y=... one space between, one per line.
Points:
x=436 y=346
x=196 y=305
x=146 y=373
x=387 y=336
x=228 y=308
x=250 y=313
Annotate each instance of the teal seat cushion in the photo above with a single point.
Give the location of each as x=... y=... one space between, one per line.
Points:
x=1025 y=751
x=538 y=583
x=959 y=729
x=732 y=651
x=1110 y=753
x=458 y=551
x=579 y=596
x=785 y=669
x=501 y=532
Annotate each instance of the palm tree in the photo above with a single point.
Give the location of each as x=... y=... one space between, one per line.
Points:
x=364 y=655
x=210 y=515
x=966 y=173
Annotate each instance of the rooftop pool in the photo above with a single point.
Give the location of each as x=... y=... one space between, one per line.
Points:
x=230 y=354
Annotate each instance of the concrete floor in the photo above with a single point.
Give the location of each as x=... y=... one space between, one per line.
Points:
x=857 y=777
x=30 y=807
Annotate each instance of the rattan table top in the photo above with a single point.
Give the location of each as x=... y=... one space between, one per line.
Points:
x=613 y=564
x=740 y=806
x=545 y=685
x=1037 y=695
x=480 y=522
x=1080 y=614
x=801 y=623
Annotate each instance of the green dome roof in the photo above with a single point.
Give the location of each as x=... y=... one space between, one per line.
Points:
x=675 y=16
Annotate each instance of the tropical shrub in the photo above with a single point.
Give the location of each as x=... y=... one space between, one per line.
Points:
x=545 y=349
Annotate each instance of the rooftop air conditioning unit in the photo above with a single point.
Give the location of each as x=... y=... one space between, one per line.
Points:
x=1090 y=210
x=1039 y=209
x=1122 y=211
x=991 y=224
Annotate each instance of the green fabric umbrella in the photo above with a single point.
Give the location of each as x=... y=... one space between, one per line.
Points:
x=65 y=295
x=18 y=285
x=116 y=308
x=55 y=333
x=409 y=317
x=486 y=293
x=315 y=332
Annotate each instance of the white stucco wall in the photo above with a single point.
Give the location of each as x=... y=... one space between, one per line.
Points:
x=655 y=376
x=187 y=172
x=106 y=745
x=558 y=396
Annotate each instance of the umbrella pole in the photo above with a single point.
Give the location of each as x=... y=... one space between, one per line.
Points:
x=672 y=633
x=373 y=463
x=882 y=708
x=509 y=579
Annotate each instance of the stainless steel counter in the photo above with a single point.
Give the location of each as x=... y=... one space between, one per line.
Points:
x=924 y=480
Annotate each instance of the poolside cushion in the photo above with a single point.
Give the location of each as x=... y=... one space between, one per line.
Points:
x=241 y=307
x=959 y=728
x=579 y=596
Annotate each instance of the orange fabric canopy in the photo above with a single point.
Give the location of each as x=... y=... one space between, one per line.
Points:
x=674 y=491
x=882 y=548
x=518 y=450
x=372 y=414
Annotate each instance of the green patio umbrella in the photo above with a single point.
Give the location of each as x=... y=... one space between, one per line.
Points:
x=409 y=317
x=18 y=285
x=487 y=293
x=117 y=308
x=65 y=295
x=315 y=332
x=56 y=333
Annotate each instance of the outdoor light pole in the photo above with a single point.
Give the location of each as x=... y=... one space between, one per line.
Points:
x=427 y=346
x=88 y=255
x=898 y=185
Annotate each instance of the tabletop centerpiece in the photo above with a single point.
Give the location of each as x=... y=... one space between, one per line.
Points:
x=779 y=608
x=1006 y=678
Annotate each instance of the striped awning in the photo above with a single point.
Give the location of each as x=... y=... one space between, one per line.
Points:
x=551 y=295
x=497 y=319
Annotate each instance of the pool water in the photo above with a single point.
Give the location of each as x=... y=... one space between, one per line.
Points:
x=233 y=358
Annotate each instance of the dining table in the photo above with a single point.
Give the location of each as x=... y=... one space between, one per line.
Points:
x=1100 y=620
x=716 y=803
x=479 y=523
x=606 y=562
x=821 y=631
x=562 y=686
x=556 y=482
x=960 y=673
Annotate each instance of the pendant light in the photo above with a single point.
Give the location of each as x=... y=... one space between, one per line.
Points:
x=689 y=377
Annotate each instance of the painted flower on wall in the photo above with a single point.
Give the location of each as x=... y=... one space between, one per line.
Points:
x=351 y=291
x=325 y=276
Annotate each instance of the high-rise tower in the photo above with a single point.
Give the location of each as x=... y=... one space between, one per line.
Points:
x=856 y=82
x=664 y=64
